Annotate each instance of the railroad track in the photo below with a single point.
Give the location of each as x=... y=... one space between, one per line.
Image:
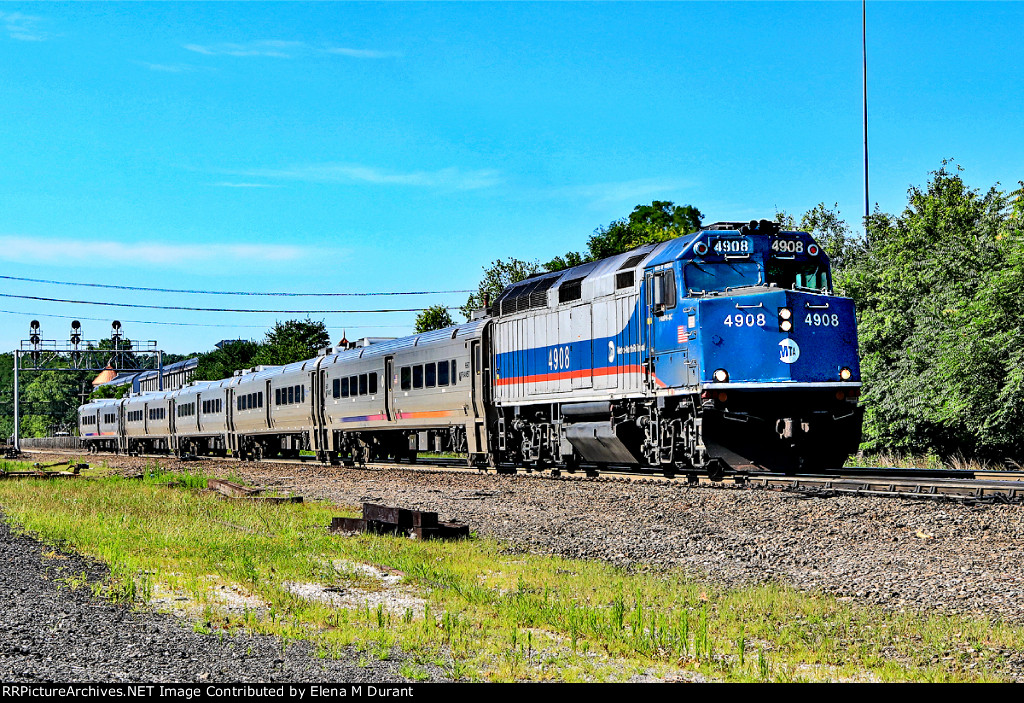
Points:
x=941 y=484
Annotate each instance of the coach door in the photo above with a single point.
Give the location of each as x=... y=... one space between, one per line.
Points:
x=478 y=379
x=389 y=382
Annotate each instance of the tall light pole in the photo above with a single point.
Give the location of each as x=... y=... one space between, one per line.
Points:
x=864 y=52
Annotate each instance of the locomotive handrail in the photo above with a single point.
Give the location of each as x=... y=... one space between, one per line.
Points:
x=810 y=306
x=746 y=307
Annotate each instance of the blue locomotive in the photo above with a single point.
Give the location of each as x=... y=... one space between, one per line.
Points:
x=721 y=349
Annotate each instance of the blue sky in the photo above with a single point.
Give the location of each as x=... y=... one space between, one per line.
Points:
x=343 y=147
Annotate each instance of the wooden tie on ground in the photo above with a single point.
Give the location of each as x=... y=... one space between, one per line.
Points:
x=233 y=490
x=38 y=471
x=386 y=520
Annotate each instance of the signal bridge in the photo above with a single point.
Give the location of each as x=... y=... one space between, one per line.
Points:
x=77 y=354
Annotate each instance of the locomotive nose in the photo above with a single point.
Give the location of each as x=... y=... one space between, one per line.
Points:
x=778 y=337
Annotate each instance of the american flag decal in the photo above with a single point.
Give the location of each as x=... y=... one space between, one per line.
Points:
x=681 y=334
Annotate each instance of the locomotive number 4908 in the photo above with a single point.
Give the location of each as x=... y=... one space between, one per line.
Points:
x=731 y=246
x=748 y=320
x=558 y=358
x=822 y=320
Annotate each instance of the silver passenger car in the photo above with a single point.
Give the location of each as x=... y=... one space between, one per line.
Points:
x=147 y=420
x=99 y=424
x=201 y=413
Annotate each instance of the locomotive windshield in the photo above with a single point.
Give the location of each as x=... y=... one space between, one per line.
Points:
x=803 y=275
x=721 y=276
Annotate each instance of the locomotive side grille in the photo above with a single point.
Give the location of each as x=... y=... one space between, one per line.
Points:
x=532 y=293
x=570 y=290
x=632 y=261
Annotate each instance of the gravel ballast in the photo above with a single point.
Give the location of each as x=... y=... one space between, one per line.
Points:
x=921 y=556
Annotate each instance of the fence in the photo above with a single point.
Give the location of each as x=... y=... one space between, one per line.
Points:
x=67 y=442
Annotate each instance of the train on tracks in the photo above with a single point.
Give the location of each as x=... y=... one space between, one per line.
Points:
x=722 y=349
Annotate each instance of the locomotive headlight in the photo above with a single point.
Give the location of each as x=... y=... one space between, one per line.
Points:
x=845 y=374
x=721 y=375
x=785 y=319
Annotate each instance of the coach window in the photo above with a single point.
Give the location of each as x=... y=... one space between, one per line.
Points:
x=442 y=373
x=431 y=375
x=259 y=399
x=406 y=378
x=344 y=386
x=291 y=396
x=363 y=384
x=336 y=388
x=417 y=376
x=455 y=373
x=373 y=384
x=277 y=396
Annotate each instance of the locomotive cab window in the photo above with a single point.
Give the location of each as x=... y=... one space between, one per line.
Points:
x=800 y=275
x=720 y=276
x=663 y=291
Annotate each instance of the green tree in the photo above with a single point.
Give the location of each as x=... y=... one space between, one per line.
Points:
x=111 y=391
x=222 y=363
x=6 y=395
x=498 y=276
x=938 y=291
x=647 y=224
x=436 y=317
x=291 y=341
x=49 y=398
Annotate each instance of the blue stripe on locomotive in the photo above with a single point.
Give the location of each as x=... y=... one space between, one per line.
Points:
x=556 y=361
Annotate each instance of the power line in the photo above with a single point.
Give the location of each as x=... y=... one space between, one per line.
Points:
x=232 y=292
x=194 y=309
x=169 y=324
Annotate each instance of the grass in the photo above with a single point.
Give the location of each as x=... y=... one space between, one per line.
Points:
x=929 y=461
x=477 y=610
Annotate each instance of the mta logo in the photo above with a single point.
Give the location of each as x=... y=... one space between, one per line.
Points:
x=789 y=351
